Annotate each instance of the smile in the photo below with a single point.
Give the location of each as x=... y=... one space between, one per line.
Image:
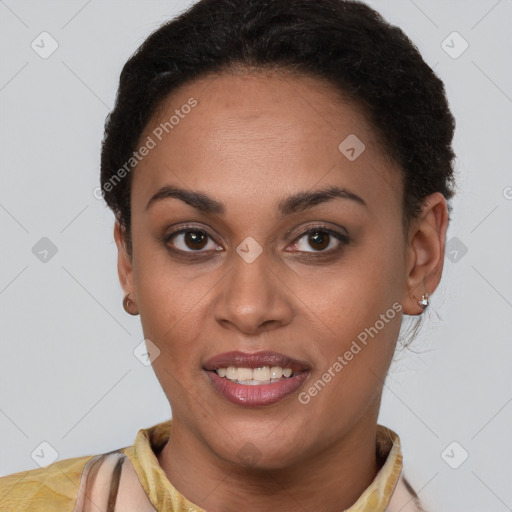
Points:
x=259 y=379
x=255 y=376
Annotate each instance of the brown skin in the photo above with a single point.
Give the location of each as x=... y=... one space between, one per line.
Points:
x=254 y=139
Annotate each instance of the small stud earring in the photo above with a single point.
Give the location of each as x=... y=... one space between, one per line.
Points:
x=424 y=300
x=127 y=302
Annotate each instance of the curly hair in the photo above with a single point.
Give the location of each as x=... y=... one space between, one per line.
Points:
x=347 y=43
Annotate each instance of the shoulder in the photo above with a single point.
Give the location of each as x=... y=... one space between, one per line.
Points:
x=56 y=485
x=404 y=498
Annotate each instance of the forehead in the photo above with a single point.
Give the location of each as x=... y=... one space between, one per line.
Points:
x=254 y=137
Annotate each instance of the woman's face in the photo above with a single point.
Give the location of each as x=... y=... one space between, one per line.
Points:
x=245 y=277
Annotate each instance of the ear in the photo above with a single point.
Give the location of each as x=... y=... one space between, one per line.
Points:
x=124 y=261
x=425 y=252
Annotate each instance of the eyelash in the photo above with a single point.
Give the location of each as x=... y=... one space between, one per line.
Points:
x=201 y=254
x=343 y=240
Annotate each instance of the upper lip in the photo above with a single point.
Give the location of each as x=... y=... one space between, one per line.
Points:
x=254 y=360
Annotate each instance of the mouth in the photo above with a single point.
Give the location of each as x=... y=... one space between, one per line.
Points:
x=262 y=378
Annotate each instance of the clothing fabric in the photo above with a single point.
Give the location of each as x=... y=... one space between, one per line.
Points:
x=131 y=479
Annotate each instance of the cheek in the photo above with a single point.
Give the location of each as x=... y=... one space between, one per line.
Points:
x=173 y=319
x=368 y=281
x=172 y=304
x=353 y=363
x=361 y=313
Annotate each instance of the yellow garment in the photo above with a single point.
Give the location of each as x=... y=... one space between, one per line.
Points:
x=56 y=487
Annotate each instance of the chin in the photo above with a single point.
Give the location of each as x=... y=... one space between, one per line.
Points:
x=260 y=453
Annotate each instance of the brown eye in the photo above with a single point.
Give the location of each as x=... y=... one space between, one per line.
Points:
x=195 y=239
x=191 y=240
x=321 y=240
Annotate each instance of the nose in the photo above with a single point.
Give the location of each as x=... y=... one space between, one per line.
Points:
x=252 y=299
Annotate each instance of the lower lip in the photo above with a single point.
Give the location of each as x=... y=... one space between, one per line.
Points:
x=261 y=394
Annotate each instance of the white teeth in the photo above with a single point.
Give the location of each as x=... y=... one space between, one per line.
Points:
x=255 y=376
x=261 y=374
x=244 y=374
x=276 y=372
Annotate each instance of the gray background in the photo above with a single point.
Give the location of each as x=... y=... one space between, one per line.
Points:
x=68 y=375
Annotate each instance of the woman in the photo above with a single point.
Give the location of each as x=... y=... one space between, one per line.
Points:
x=279 y=173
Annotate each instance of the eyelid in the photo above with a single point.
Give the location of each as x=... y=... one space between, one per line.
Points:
x=322 y=227
x=184 y=229
x=343 y=238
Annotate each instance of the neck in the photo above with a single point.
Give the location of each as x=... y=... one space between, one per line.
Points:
x=330 y=481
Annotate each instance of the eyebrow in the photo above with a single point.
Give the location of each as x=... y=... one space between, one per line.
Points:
x=296 y=203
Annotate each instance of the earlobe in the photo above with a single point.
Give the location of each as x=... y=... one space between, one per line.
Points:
x=425 y=254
